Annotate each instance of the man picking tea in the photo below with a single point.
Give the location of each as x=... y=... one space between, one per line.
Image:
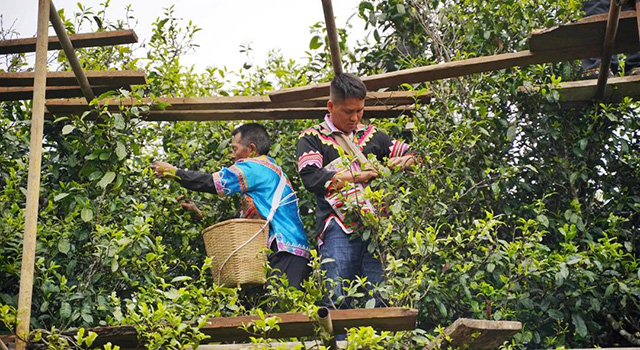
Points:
x=258 y=179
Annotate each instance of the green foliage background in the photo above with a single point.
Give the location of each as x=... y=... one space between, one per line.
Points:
x=519 y=210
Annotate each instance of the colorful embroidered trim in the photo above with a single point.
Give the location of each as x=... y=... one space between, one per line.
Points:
x=310 y=158
x=242 y=179
x=398 y=148
x=219 y=184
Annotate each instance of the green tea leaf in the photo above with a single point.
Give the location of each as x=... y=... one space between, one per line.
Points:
x=86 y=214
x=107 y=179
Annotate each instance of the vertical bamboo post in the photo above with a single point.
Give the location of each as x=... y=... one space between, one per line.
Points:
x=607 y=48
x=332 y=34
x=33 y=181
x=638 y=16
x=324 y=318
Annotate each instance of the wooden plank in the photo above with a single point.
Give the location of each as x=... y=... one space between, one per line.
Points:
x=33 y=179
x=584 y=91
x=115 y=37
x=26 y=93
x=559 y=52
x=476 y=334
x=111 y=77
x=225 y=329
x=261 y=114
x=390 y=98
x=452 y=69
x=287 y=345
x=266 y=114
x=589 y=31
x=9 y=340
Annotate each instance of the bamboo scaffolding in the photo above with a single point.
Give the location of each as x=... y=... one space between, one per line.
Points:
x=545 y=48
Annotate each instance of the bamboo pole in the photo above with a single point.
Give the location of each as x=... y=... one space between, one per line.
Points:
x=33 y=181
x=607 y=48
x=324 y=318
x=638 y=16
x=332 y=34
x=65 y=42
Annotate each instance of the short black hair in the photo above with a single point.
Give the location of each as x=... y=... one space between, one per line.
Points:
x=347 y=85
x=256 y=134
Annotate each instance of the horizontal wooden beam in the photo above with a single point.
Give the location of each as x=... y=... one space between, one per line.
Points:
x=390 y=98
x=589 y=31
x=226 y=329
x=472 y=66
x=258 y=114
x=110 y=77
x=267 y=114
x=273 y=345
x=26 y=92
x=115 y=37
x=476 y=334
x=584 y=90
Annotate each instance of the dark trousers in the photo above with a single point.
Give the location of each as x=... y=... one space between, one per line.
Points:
x=596 y=7
x=296 y=268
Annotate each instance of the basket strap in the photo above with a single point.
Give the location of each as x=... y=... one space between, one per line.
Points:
x=349 y=147
x=277 y=197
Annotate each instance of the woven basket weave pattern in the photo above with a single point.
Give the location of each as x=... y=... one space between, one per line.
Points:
x=245 y=267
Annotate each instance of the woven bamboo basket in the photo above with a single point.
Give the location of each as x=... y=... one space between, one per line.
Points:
x=245 y=266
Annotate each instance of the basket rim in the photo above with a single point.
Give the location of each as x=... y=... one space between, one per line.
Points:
x=236 y=220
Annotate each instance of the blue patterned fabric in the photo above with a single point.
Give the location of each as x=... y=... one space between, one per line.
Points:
x=256 y=179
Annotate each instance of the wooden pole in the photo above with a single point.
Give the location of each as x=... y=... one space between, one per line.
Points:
x=65 y=42
x=332 y=34
x=324 y=318
x=607 y=48
x=638 y=16
x=33 y=181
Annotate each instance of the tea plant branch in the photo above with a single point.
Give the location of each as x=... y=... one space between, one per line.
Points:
x=624 y=333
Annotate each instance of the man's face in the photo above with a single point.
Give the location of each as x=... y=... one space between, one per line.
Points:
x=346 y=114
x=239 y=150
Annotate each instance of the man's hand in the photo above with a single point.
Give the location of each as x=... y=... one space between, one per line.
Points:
x=340 y=178
x=404 y=162
x=365 y=176
x=163 y=169
x=188 y=205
